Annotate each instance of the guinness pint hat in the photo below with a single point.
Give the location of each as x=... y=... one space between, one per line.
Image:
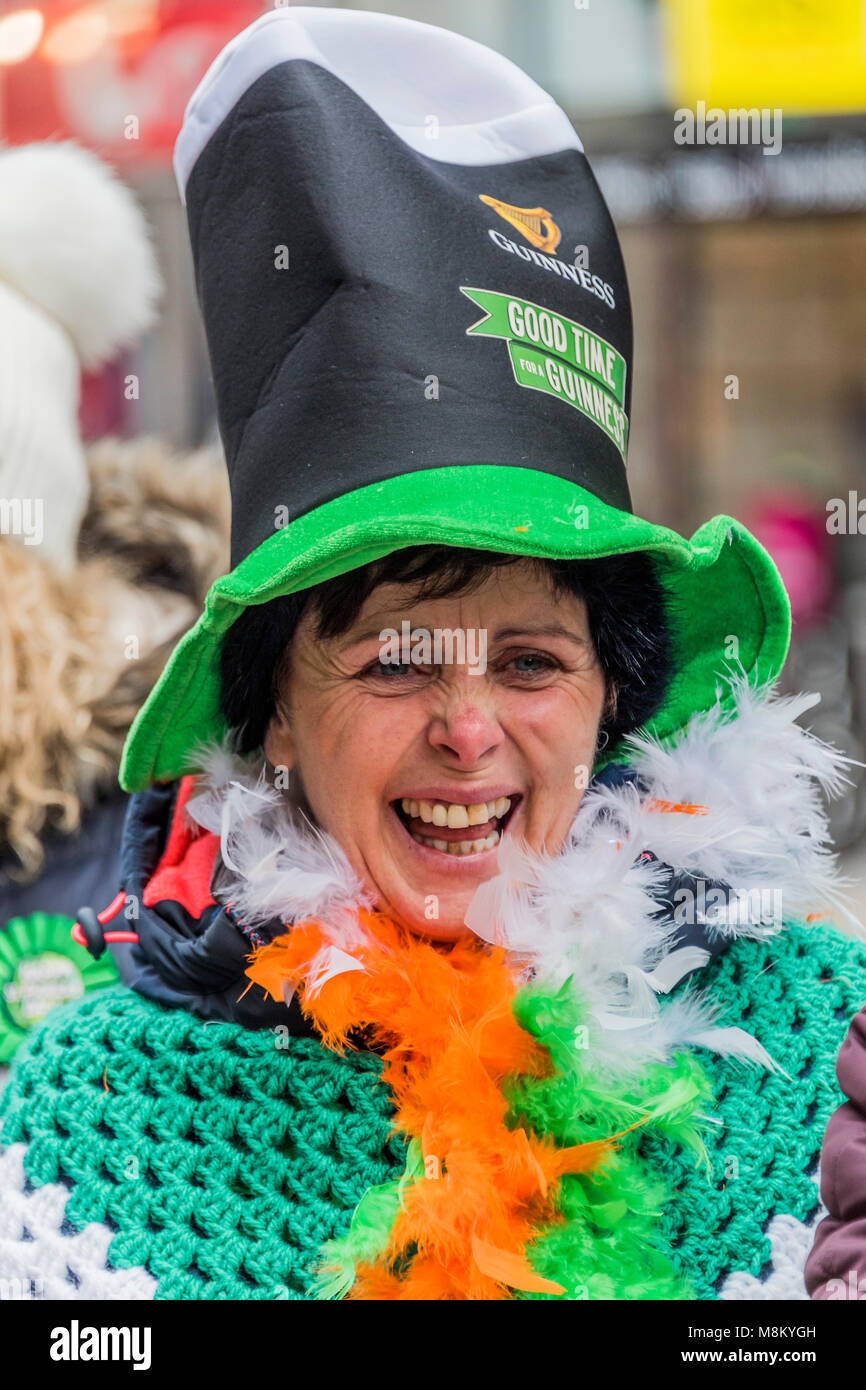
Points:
x=419 y=328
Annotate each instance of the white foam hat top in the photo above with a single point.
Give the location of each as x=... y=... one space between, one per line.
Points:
x=487 y=110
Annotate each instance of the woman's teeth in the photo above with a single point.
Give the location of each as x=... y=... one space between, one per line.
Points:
x=454 y=815
x=459 y=846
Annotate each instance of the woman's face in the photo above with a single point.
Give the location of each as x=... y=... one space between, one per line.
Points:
x=418 y=769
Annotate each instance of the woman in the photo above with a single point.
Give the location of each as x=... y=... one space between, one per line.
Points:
x=484 y=894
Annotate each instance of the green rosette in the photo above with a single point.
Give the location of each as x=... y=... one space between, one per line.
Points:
x=41 y=967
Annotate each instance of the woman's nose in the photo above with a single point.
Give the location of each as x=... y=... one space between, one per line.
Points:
x=466 y=730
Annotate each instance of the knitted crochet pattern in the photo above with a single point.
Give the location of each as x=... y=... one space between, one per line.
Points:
x=220 y=1160
x=796 y=994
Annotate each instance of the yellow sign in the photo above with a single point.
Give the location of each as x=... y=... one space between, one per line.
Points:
x=799 y=56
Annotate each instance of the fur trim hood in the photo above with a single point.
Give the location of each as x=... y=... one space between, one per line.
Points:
x=671 y=857
x=79 y=653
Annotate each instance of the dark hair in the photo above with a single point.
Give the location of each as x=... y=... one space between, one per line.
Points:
x=625 y=608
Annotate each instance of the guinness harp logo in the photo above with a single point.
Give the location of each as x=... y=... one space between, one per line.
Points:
x=535 y=224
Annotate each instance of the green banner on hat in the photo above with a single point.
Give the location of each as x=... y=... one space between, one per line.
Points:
x=521 y=321
x=542 y=372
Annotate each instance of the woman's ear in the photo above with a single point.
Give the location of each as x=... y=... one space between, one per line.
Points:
x=279 y=742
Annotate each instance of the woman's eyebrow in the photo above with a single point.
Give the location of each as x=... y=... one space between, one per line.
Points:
x=354 y=639
x=502 y=634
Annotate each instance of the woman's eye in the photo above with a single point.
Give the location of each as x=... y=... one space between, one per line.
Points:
x=392 y=668
x=390 y=671
x=532 y=664
x=526 y=667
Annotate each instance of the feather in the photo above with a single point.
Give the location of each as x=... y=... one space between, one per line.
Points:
x=326 y=965
x=279 y=864
x=675 y=967
x=737 y=1044
x=367 y=1238
x=691 y=1021
x=506 y=1267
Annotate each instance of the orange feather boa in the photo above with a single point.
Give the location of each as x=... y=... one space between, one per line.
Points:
x=443 y=1017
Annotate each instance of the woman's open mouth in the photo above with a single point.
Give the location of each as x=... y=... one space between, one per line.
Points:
x=456 y=828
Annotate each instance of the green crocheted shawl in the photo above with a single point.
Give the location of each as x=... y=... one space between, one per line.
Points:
x=221 y=1159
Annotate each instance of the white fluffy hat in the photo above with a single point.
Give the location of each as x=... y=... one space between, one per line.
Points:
x=78 y=281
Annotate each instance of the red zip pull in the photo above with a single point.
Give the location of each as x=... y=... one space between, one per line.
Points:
x=88 y=930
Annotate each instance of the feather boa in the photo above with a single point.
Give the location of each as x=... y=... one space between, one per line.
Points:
x=481 y=1205
x=527 y=1060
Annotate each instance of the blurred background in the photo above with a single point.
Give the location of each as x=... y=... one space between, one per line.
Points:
x=747 y=263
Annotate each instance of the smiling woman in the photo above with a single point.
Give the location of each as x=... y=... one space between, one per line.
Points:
x=447 y=916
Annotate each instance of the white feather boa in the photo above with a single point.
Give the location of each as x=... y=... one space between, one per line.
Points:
x=589 y=913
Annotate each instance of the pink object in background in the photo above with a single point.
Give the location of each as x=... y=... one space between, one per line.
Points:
x=793 y=529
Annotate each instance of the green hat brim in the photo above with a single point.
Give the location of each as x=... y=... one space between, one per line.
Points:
x=728 y=604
